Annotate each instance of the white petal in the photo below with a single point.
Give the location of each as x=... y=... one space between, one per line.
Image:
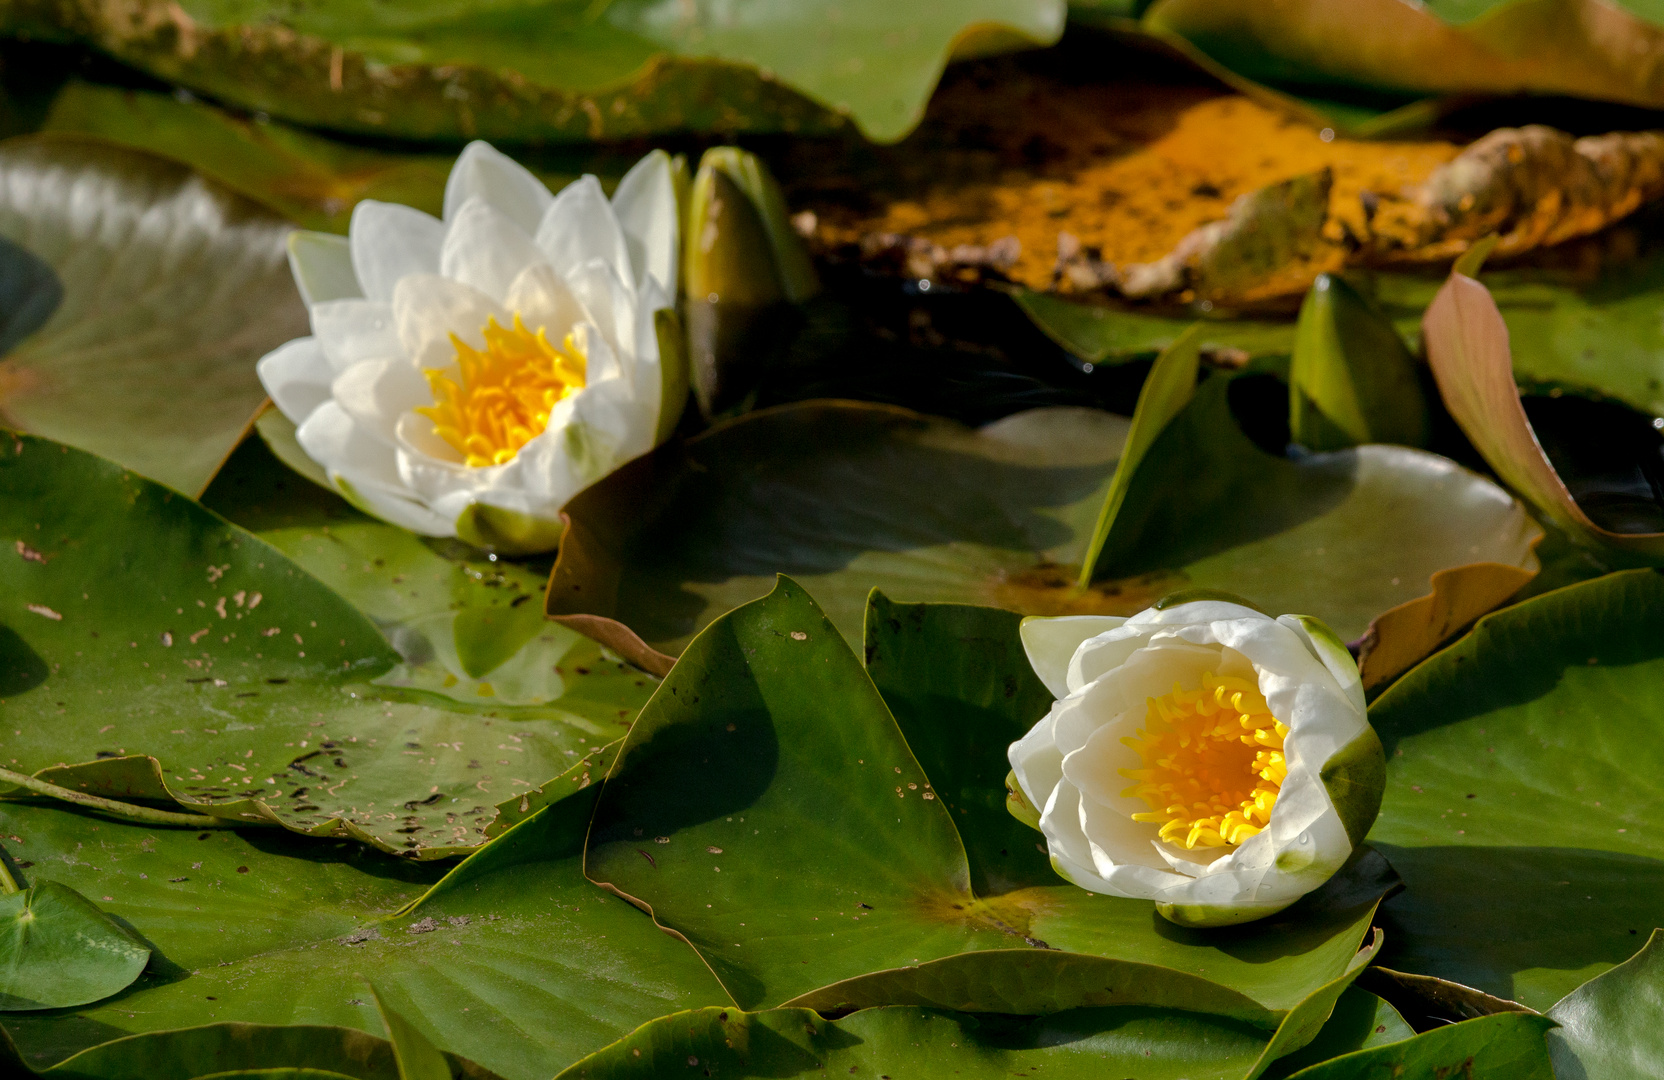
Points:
x=390 y=241
x=1331 y=651
x=484 y=248
x=601 y=364
x=486 y=172
x=1067 y=843
x=351 y=331
x=376 y=393
x=1103 y=653
x=579 y=226
x=428 y=309
x=645 y=202
x=544 y=301
x=1096 y=770
x=609 y=301
x=365 y=471
x=322 y=266
x=1036 y=761
x=1051 y=642
x=296 y=377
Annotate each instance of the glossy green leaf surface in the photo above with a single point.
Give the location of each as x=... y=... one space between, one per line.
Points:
x=1490 y=46
x=1521 y=777
x=1343 y=536
x=1609 y=1025
x=1351 y=380
x=961 y=690
x=416 y=1057
x=170 y=289
x=908 y=1042
x=1169 y=387
x=1505 y=1047
x=824 y=856
x=562 y=69
x=261 y=694
x=298 y=1052
x=264 y=928
x=57 y=949
x=1360 y=1021
x=831 y=493
x=1104 y=335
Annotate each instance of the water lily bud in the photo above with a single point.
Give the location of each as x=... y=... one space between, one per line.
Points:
x=1351 y=380
x=1202 y=755
x=746 y=269
x=467 y=375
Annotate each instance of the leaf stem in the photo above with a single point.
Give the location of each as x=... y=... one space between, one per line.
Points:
x=110 y=806
x=8 y=884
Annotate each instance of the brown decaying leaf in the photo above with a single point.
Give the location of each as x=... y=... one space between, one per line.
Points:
x=1467 y=348
x=1401 y=638
x=1149 y=191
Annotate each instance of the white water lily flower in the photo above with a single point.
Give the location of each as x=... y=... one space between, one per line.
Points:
x=1202 y=755
x=466 y=376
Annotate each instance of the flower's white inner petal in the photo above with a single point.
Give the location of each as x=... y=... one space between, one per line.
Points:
x=608 y=301
x=322 y=266
x=1096 y=767
x=428 y=309
x=390 y=241
x=296 y=377
x=645 y=202
x=415 y=436
x=376 y=393
x=486 y=249
x=1190 y=862
x=542 y=299
x=352 y=331
x=483 y=171
x=601 y=364
x=1102 y=653
x=1147 y=673
x=579 y=226
x=1114 y=839
x=1051 y=642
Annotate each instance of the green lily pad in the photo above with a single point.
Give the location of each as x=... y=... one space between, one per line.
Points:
x=1360 y=1021
x=261 y=695
x=1505 y=1047
x=1351 y=380
x=301 y=1052
x=823 y=870
x=512 y=960
x=1160 y=1045
x=57 y=949
x=561 y=69
x=1480 y=46
x=848 y=497
x=1608 y=1026
x=1099 y=334
x=1522 y=775
x=171 y=288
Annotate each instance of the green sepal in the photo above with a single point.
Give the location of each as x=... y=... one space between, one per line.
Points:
x=1206 y=915
x=1017 y=803
x=1356 y=779
x=673 y=371
x=507 y=532
x=1190 y=596
x=1351 y=381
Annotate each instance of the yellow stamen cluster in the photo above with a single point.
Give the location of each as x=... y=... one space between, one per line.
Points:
x=505 y=394
x=1212 y=763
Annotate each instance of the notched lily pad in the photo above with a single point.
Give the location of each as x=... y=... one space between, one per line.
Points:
x=229 y=680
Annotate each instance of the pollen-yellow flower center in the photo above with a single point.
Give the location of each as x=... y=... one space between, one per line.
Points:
x=504 y=394
x=1212 y=763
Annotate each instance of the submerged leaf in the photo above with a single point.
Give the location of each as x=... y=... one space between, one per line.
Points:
x=57 y=950
x=170 y=288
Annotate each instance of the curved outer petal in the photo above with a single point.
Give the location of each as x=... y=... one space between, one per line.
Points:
x=1071 y=761
x=389 y=241
x=645 y=202
x=483 y=171
x=1052 y=642
x=296 y=377
x=376 y=393
x=428 y=309
x=363 y=469
x=322 y=266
